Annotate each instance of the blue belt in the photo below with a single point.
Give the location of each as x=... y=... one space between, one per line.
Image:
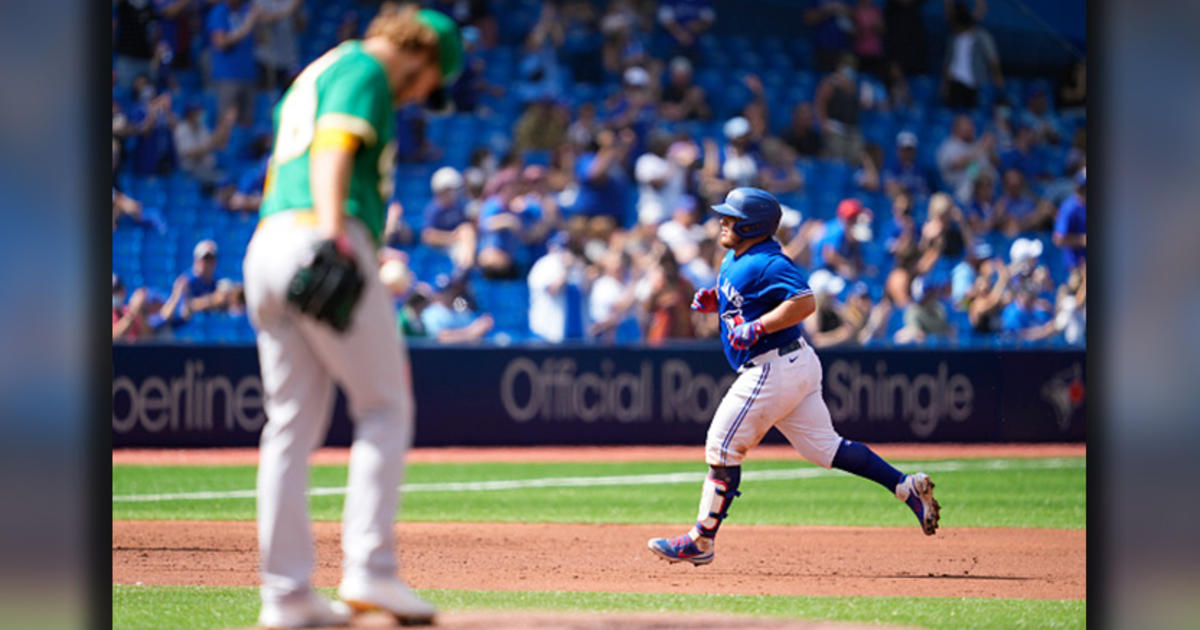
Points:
x=785 y=350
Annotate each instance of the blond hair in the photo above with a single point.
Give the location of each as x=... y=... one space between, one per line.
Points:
x=398 y=23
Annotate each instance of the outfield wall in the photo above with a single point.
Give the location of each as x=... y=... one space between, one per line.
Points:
x=204 y=396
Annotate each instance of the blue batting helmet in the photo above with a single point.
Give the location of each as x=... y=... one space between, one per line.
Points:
x=757 y=211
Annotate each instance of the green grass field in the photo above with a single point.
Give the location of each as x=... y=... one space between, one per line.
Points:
x=974 y=493
x=159 y=607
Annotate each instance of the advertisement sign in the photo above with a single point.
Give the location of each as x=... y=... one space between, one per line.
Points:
x=187 y=395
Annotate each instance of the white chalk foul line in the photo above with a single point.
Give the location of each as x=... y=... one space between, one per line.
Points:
x=780 y=474
x=619 y=480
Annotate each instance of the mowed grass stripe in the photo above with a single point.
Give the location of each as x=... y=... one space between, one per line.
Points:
x=620 y=480
x=202 y=608
x=976 y=493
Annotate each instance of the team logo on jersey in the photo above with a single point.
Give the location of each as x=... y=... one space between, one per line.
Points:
x=732 y=315
x=1065 y=393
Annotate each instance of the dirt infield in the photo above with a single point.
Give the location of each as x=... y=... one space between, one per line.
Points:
x=249 y=456
x=751 y=560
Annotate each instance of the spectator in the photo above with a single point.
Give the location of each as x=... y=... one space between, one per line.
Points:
x=904 y=174
x=837 y=107
x=147 y=315
x=904 y=35
x=1023 y=156
x=902 y=243
x=582 y=131
x=832 y=25
x=152 y=150
x=867 y=18
x=987 y=297
x=660 y=181
x=870 y=163
x=826 y=326
x=970 y=56
x=779 y=174
x=739 y=166
x=175 y=24
x=471 y=84
x=555 y=294
x=1017 y=210
x=635 y=107
x=1024 y=319
x=1070 y=225
x=133 y=44
x=446 y=226
x=685 y=21
x=602 y=180
x=681 y=98
x=277 y=49
x=612 y=300
x=200 y=283
x=803 y=134
x=668 y=304
x=230 y=26
x=1037 y=116
x=961 y=157
x=618 y=25
x=980 y=210
x=841 y=246
x=397 y=232
x=1071 y=311
x=927 y=314
x=500 y=228
x=124 y=205
x=683 y=234
x=755 y=112
x=540 y=213
x=196 y=145
x=964 y=275
x=543 y=125
x=247 y=196
x=944 y=235
x=449 y=319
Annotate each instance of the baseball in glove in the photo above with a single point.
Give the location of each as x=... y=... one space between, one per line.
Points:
x=328 y=288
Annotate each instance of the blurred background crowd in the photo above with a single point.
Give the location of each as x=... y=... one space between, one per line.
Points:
x=934 y=191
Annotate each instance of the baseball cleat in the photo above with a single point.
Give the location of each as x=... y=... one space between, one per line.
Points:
x=312 y=610
x=389 y=595
x=917 y=492
x=683 y=549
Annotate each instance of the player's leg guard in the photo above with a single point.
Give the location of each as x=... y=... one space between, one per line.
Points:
x=718 y=493
x=857 y=458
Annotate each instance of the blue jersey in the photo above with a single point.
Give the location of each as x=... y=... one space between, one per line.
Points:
x=751 y=285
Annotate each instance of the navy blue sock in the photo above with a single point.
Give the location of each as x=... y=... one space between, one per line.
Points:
x=860 y=460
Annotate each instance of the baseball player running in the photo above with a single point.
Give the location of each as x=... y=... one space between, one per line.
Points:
x=322 y=316
x=761 y=299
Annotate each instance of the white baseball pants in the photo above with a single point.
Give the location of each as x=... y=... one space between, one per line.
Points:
x=779 y=391
x=301 y=359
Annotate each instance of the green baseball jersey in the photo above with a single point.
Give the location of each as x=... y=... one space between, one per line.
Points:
x=344 y=89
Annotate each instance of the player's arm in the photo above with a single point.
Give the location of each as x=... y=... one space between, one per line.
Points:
x=330 y=163
x=789 y=313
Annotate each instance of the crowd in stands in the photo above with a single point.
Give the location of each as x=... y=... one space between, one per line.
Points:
x=567 y=199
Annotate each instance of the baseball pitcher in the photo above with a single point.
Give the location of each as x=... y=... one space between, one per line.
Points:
x=323 y=317
x=761 y=299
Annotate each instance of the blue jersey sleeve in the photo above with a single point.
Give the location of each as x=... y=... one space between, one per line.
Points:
x=783 y=281
x=1062 y=222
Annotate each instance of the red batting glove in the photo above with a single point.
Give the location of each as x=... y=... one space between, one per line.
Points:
x=705 y=301
x=746 y=335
